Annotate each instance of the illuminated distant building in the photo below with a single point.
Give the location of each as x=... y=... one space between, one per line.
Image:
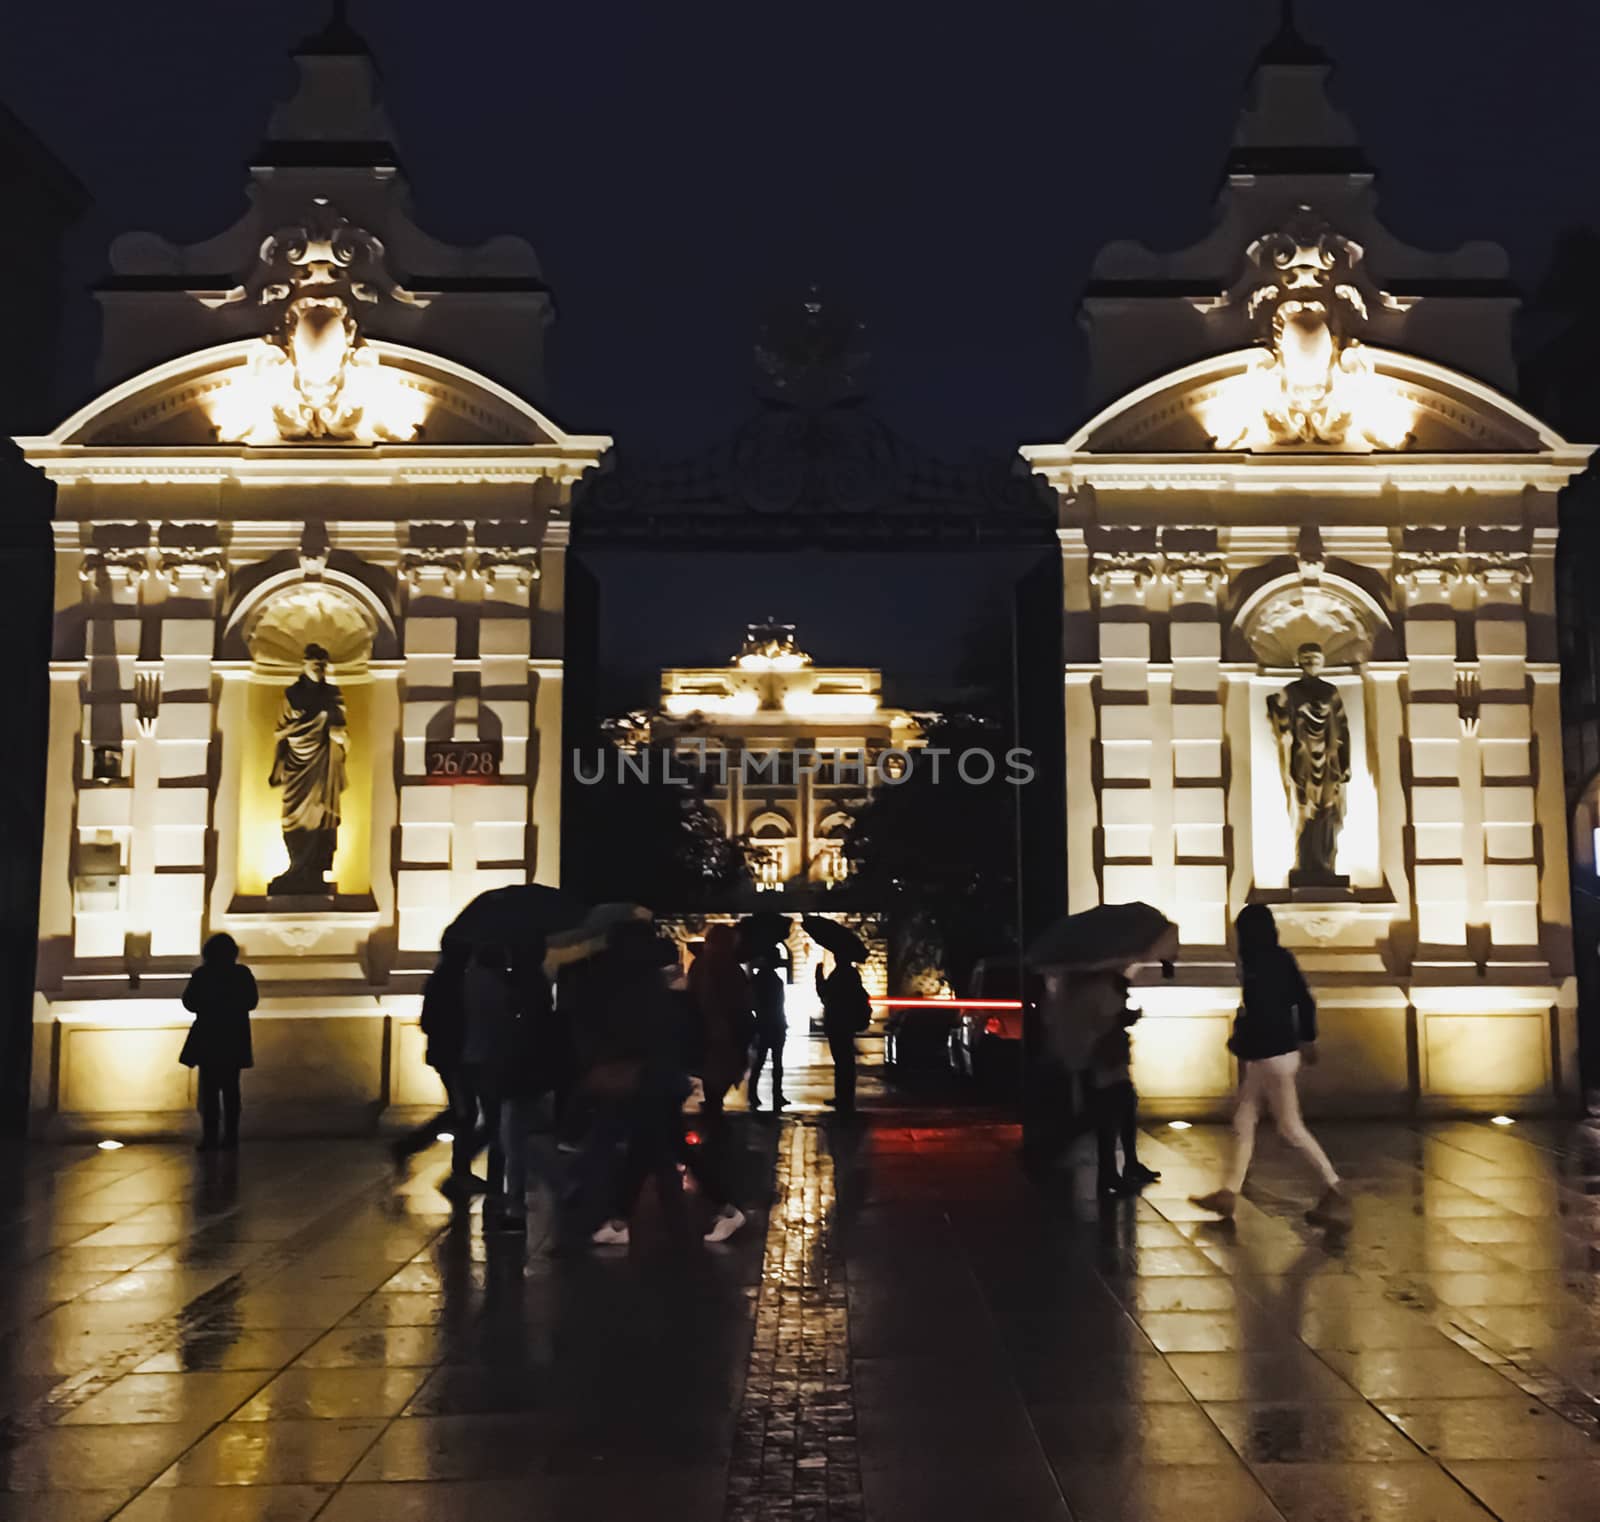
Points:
x=786 y=746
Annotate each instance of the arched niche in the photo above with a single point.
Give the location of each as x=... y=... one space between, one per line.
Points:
x=1273 y=622
x=770 y=825
x=274 y=618
x=276 y=624
x=1289 y=611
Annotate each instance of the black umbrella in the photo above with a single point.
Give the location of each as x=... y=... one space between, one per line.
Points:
x=761 y=932
x=509 y=916
x=843 y=942
x=1106 y=937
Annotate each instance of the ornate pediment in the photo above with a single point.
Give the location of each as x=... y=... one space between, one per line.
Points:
x=313 y=376
x=1310 y=382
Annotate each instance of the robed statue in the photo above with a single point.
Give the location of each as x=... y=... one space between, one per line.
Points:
x=308 y=764
x=1313 y=735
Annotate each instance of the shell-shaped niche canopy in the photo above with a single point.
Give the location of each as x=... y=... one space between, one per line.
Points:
x=1331 y=613
x=310 y=613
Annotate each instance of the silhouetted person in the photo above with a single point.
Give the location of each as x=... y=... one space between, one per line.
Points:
x=631 y=1028
x=771 y=1029
x=443 y=1022
x=846 y=1012
x=1111 y=1097
x=720 y=997
x=220 y=994
x=1277 y=1024
x=489 y=1008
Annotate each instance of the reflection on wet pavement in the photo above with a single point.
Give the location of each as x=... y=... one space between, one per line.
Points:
x=1143 y=1362
x=913 y=1330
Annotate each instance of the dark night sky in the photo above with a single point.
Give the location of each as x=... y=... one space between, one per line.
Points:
x=949 y=170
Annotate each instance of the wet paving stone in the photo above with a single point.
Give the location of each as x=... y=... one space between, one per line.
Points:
x=915 y=1330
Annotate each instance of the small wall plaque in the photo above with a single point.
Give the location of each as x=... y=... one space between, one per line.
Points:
x=451 y=761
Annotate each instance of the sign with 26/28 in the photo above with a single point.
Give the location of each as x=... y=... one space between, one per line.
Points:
x=450 y=761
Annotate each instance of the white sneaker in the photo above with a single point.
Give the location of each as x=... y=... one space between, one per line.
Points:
x=612 y=1234
x=729 y=1219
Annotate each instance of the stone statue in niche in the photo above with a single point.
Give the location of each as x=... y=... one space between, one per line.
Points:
x=1313 y=735
x=309 y=765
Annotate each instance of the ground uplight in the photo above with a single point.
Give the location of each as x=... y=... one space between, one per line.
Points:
x=444 y=1136
x=1177 y=1125
x=108 y=1145
x=1501 y=1120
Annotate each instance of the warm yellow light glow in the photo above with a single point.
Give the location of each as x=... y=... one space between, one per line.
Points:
x=789 y=660
x=108 y=1145
x=262 y=855
x=680 y=703
x=829 y=704
x=1278 y=400
x=1177 y=1125
x=1501 y=1120
x=262 y=402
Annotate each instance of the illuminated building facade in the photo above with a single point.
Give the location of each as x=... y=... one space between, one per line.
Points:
x=306 y=677
x=1303 y=437
x=311 y=608
x=785 y=746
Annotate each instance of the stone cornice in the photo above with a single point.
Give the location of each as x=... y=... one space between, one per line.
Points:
x=1342 y=474
x=400 y=465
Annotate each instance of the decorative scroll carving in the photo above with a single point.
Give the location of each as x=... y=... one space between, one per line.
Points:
x=1417 y=570
x=1196 y=572
x=465 y=558
x=1124 y=570
x=1311 y=382
x=313 y=376
x=1505 y=571
x=128 y=554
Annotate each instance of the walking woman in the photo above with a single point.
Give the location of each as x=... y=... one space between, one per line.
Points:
x=220 y=994
x=1276 y=1026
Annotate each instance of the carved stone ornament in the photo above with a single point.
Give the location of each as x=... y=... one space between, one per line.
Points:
x=313 y=376
x=128 y=555
x=1122 y=570
x=1505 y=572
x=1419 y=570
x=1310 y=382
x=310 y=612
x=1202 y=573
x=463 y=557
x=770 y=646
x=1323 y=613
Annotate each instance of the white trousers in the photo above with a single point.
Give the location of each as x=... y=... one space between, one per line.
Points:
x=1269 y=1084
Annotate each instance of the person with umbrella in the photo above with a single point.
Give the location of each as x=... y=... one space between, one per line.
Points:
x=1087 y=959
x=512 y=923
x=846 y=1010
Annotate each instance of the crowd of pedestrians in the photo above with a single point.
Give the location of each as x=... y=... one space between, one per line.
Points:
x=598 y=1026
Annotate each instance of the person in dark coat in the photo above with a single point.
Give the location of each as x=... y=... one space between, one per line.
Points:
x=719 y=992
x=1276 y=1030
x=220 y=994
x=846 y=1012
x=771 y=1028
x=632 y=1040
x=443 y=1022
